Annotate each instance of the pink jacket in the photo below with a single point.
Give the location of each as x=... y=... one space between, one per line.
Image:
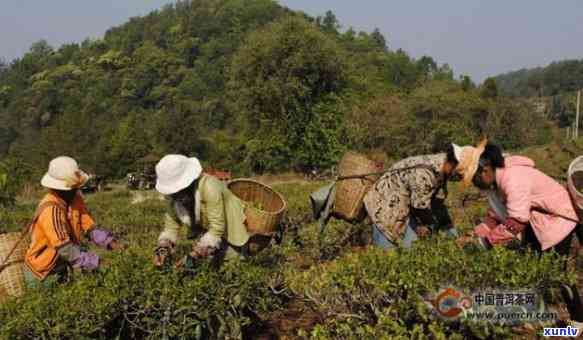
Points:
x=522 y=188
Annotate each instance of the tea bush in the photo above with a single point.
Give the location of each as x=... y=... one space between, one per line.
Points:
x=13 y=219
x=374 y=294
x=353 y=291
x=131 y=299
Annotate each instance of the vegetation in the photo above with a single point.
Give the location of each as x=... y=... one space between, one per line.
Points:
x=248 y=85
x=311 y=285
x=375 y=295
x=554 y=79
x=255 y=87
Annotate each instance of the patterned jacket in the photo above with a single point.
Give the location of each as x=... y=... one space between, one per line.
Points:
x=413 y=182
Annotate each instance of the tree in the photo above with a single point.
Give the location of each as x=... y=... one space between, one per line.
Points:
x=3 y=68
x=329 y=22
x=427 y=66
x=400 y=70
x=129 y=143
x=278 y=78
x=40 y=49
x=489 y=89
x=380 y=40
x=467 y=83
x=444 y=72
x=381 y=123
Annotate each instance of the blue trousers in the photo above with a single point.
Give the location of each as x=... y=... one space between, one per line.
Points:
x=380 y=240
x=410 y=236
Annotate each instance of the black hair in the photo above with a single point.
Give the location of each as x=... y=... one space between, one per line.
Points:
x=492 y=156
x=450 y=155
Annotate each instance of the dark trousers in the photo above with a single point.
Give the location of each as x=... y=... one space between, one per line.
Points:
x=563 y=249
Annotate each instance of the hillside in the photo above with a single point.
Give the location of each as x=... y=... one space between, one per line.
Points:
x=554 y=79
x=246 y=85
x=160 y=83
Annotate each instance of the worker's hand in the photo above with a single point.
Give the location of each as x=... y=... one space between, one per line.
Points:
x=514 y=226
x=180 y=263
x=201 y=252
x=422 y=232
x=159 y=260
x=161 y=256
x=115 y=245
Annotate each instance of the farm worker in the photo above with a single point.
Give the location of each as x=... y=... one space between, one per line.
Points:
x=59 y=225
x=409 y=194
x=525 y=201
x=204 y=204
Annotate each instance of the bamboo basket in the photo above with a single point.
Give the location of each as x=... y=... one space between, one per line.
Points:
x=12 y=277
x=259 y=221
x=349 y=202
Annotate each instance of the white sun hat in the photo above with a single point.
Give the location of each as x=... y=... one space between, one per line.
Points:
x=176 y=172
x=64 y=174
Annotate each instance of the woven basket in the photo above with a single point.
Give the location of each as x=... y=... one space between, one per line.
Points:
x=12 y=277
x=259 y=221
x=350 y=193
x=576 y=195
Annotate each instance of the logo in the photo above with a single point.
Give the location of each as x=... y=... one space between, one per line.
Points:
x=450 y=303
x=565 y=331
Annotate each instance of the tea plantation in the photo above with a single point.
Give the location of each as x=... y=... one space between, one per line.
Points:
x=307 y=286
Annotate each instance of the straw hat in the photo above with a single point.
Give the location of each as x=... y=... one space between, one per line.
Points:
x=64 y=174
x=468 y=158
x=176 y=172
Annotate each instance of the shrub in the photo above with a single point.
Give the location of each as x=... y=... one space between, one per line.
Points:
x=131 y=299
x=374 y=293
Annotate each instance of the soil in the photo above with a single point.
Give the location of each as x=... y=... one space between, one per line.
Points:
x=285 y=323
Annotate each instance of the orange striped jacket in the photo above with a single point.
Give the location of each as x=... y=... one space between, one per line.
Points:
x=56 y=226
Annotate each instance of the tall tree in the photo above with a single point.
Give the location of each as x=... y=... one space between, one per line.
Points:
x=379 y=39
x=467 y=83
x=329 y=23
x=279 y=77
x=489 y=89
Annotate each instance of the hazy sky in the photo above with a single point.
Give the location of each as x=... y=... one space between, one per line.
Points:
x=476 y=37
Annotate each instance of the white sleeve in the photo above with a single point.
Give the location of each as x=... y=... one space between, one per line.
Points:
x=208 y=240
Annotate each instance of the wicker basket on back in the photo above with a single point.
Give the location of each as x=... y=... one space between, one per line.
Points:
x=350 y=193
x=264 y=208
x=12 y=277
x=575 y=184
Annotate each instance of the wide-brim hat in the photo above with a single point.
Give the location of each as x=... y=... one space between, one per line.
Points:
x=469 y=160
x=176 y=172
x=64 y=174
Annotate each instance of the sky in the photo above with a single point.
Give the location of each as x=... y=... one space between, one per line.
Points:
x=479 y=38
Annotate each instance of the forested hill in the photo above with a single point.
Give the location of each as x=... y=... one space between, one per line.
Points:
x=555 y=79
x=244 y=84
